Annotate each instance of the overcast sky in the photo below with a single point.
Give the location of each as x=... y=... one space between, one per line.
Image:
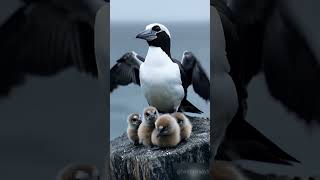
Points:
x=160 y=10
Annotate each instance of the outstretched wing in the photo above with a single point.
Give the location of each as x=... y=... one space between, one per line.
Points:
x=291 y=67
x=194 y=70
x=126 y=70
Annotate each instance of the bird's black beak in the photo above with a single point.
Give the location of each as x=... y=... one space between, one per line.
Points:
x=153 y=117
x=138 y=123
x=148 y=35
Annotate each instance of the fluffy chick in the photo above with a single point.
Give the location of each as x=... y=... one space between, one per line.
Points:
x=150 y=114
x=166 y=132
x=185 y=125
x=134 y=121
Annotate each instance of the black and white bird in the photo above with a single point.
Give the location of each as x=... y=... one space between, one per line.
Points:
x=241 y=46
x=281 y=40
x=163 y=79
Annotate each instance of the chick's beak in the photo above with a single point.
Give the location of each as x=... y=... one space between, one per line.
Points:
x=160 y=130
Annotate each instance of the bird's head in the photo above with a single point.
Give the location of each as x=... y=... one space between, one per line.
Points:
x=165 y=125
x=134 y=120
x=180 y=118
x=156 y=35
x=150 y=115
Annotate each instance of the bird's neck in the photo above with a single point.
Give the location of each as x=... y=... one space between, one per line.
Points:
x=133 y=126
x=164 y=45
x=157 y=56
x=166 y=49
x=149 y=124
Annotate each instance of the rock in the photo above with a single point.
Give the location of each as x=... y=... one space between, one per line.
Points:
x=189 y=159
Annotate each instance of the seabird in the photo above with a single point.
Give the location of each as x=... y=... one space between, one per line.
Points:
x=237 y=136
x=46 y=37
x=291 y=64
x=134 y=121
x=166 y=132
x=224 y=92
x=280 y=39
x=150 y=114
x=185 y=125
x=163 y=79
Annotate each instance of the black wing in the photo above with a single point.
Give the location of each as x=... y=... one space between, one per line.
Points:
x=126 y=70
x=291 y=67
x=43 y=38
x=298 y=16
x=196 y=73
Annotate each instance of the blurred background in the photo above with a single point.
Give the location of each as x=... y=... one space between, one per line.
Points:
x=188 y=23
x=269 y=115
x=47 y=121
x=283 y=128
x=50 y=121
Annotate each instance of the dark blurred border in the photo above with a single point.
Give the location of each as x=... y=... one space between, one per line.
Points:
x=102 y=50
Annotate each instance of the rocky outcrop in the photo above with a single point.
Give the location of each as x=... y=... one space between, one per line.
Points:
x=189 y=159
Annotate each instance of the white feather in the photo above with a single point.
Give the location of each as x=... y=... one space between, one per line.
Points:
x=161 y=81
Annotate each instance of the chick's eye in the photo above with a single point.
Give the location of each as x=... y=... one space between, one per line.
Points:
x=147 y=114
x=156 y=28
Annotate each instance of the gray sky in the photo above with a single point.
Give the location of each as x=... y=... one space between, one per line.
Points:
x=161 y=10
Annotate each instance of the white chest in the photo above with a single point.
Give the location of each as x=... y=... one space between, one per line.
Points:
x=160 y=81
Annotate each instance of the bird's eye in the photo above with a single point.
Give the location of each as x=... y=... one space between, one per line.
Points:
x=156 y=28
x=134 y=119
x=147 y=114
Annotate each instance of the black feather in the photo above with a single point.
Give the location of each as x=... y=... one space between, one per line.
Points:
x=43 y=38
x=291 y=68
x=125 y=71
x=197 y=75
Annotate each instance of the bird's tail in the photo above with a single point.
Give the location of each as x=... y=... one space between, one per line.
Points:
x=243 y=141
x=186 y=106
